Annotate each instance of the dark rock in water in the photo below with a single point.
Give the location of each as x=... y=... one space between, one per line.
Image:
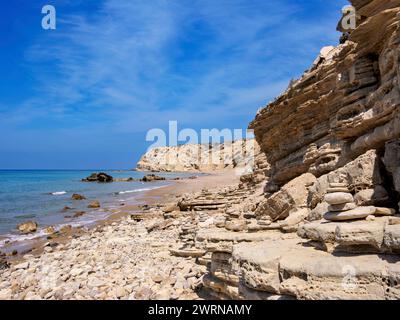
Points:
x=79 y=214
x=3 y=262
x=66 y=208
x=94 y=205
x=27 y=227
x=99 y=177
x=152 y=177
x=76 y=196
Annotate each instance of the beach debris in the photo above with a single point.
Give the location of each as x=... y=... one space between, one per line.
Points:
x=27 y=227
x=99 y=177
x=77 y=196
x=94 y=204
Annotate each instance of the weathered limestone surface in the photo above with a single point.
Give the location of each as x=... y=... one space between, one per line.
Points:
x=202 y=157
x=332 y=145
x=343 y=106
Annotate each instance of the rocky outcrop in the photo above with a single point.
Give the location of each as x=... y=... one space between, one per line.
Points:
x=99 y=177
x=151 y=177
x=27 y=227
x=345 y=105
x=325 y=224
x=201 y=157
x=77 y=197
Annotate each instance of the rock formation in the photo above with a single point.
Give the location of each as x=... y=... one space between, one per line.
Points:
x=323 y=223
x=345 y=105
x=317 y=218
x=200 y=157
x=27 y=227
x=99 y=177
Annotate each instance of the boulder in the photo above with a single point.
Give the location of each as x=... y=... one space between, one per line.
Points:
x=76 y=196
x=318 y=212
x=291 y=197
x=318 y=231
x=369 y=197
x=361 y=233
x=94 y=204
x=27 y=227
x=391 y=161
x=99 y=177
x=295 y=218
x=384 y=211
x=392 y=237
x=50 y=230
x=152 y=177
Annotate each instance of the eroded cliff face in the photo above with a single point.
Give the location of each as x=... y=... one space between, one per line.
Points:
x=200 y=157
x=324 y=223
x=345 y=105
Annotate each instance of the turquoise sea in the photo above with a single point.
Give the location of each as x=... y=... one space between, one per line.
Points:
x=41 y=195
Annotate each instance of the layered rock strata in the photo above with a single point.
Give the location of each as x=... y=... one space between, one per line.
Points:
x=346 y=104
x=324 y=224
x=202 y=157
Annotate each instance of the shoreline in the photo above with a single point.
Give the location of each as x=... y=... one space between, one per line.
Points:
x=127 y=256
x=155 y=196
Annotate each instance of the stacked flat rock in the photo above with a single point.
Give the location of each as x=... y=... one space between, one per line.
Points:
x=342 y=206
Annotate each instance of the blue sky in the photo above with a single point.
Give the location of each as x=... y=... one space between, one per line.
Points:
x=83 y=96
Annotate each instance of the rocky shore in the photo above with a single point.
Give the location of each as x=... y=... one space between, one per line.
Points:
x=318 y=218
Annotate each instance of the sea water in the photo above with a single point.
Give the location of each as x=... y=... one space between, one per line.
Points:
x=41 y=195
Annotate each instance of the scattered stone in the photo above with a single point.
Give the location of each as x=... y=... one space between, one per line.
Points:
x=66 y=229
x=50 y=230
x=152 y=177
x=338 y=198
x=27 y=227
x=76 y=196
x=342 y=207
x=94 y=205
x=358 y=213
x=384 y=211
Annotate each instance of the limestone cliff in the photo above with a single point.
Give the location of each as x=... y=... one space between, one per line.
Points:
x=324 y=223
x=201 y=157
x=346 y=104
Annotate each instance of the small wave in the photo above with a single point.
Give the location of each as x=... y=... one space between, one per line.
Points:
x=137 y=190
x=58 y=193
